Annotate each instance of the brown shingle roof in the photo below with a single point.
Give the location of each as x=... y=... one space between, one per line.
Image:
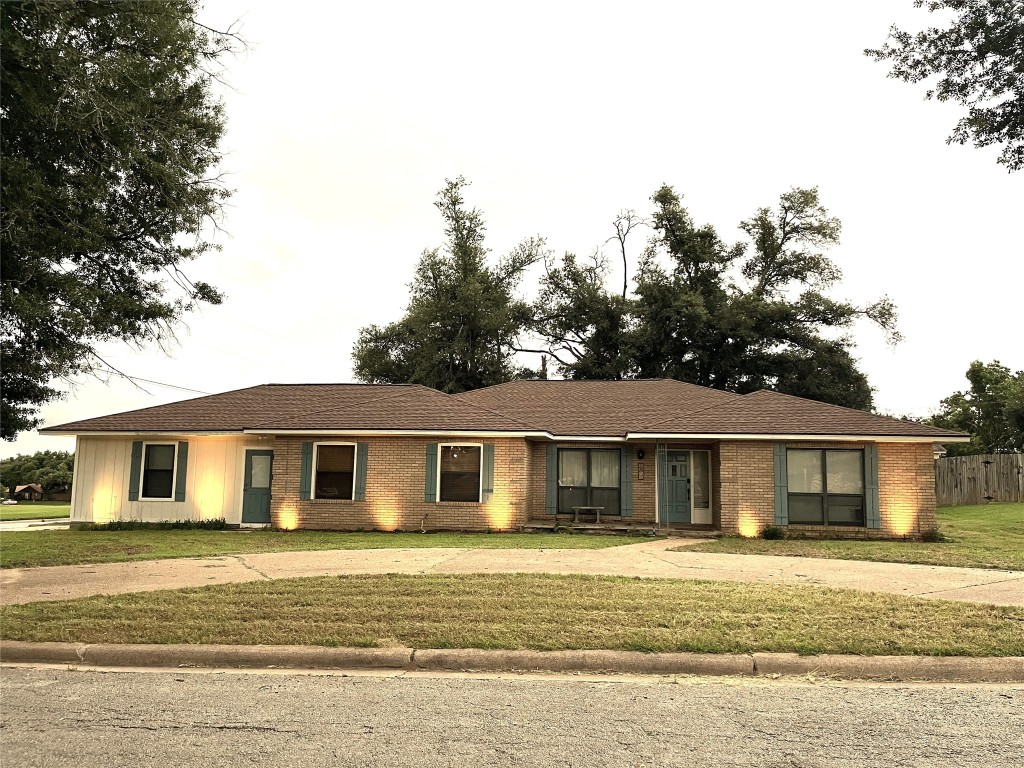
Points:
x=581 y=408
x=772 y=413
x=410 y=408
x=602 y=408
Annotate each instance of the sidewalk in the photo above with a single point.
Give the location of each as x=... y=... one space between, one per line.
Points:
x=649 y=560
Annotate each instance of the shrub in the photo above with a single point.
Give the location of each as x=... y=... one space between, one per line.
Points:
x=773 y=532
x=933 y=536
x=218 y=524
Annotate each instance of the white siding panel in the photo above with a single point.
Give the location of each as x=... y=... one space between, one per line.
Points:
x=213 y=487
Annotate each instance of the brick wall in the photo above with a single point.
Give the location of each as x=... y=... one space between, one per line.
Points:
x=395 y=475
x=745 y=486
x=746 y=492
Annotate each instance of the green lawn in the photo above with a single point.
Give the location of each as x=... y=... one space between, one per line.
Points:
x=980 y=536
x=35 y=510
x=23 y=549
x=530 y=611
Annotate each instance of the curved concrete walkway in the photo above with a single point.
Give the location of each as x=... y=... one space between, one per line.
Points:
x=650 y=559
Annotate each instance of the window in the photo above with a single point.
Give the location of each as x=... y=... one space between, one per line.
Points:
x=334 y=470
x=459 y=472
x=826 y=487
x=588 y=477
x=158 y=470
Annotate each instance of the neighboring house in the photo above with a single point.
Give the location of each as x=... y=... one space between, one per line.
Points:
x=653 y=453
x=30 y=492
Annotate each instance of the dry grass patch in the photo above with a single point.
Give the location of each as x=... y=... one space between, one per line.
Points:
x=530 y=612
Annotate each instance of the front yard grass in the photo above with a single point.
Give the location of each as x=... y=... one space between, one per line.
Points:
x=979 y=536
x=520 y=611
x=26 y=549
x=35 y=510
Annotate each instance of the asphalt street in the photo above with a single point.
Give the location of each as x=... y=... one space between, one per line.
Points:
x=60 y=717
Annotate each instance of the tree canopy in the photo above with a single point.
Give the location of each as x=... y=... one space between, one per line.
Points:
x=109 y=152
x=725 y=316
x=460 y=329
x=991 y=410
x=53 y=470
x=978 y=59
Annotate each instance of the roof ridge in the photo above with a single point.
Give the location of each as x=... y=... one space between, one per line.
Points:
x=382 y=396
x=695 y=411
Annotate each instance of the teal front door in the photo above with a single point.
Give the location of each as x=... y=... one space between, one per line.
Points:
x=256 y=488
x=676 y=504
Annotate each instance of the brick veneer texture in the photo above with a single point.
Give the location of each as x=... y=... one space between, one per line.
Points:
x=395 y=471
x=743 y=492
x=746 y=490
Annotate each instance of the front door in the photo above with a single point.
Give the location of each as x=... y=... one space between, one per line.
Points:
x=256 y=487
x=677 y=488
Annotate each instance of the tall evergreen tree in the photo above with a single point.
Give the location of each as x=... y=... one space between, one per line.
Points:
x=461 y=327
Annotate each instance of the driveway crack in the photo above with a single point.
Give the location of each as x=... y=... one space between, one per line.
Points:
x=241 y=559
x=969 y=586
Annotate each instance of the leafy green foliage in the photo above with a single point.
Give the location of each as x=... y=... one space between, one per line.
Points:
x=979 y=60
x=709 y=313
x=109 y=147
x=54 y=470
x=460 y=328
x=992 y=411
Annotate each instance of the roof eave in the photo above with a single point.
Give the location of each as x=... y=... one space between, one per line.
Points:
x=790 y=437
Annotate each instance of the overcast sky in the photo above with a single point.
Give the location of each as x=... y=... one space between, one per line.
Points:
x=346 y=118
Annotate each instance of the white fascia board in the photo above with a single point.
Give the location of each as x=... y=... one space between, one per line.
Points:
x=393 y=432
x=586 y=438
x=798 y=438
x=146 y=433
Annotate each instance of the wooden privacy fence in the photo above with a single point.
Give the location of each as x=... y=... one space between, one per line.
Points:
x=979 y=479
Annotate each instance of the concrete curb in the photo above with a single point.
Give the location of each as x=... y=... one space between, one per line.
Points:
x=948 y=669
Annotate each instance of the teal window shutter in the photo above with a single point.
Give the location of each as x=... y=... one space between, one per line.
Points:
x=626 y=481
x=487 y=472
x=181 y=475
x=662 y=472
x=430 y=482
x=551 y=499
x=781 y=485
x=136 y=475
x=306 y=472
x=362 y=453
x=871 y=505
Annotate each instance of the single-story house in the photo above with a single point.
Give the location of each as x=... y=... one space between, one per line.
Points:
x=648 y=452
x=28 y=492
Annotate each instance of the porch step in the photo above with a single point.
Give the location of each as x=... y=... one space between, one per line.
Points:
x=612 y=529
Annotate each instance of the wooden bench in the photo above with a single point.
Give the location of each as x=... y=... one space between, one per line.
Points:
x=587 y=510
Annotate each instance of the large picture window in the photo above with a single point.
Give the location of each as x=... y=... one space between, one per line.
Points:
x=158 y=470
x=459 y=473
x=589 y=477
x=826 y=487
x=334 y=470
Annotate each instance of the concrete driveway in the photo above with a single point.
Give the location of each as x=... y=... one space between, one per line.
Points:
x=648 y=560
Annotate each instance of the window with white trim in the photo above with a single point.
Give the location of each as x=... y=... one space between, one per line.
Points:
x=334 y=470
x=459 y=472
x=159 y=461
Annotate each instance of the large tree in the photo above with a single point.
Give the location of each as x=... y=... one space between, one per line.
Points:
x=731 y=317
x=109 y=151
x=460 y=329
x=54 y=470
x=978 y=58
x=991 y=410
